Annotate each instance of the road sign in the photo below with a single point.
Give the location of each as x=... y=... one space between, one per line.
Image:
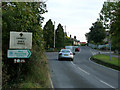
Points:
x=20 y=40
x=18 y=53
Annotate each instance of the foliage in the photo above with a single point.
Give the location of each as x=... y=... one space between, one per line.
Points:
x=115 y=29
x=26 y=17
x=105 y=60
x=48 y=34
x=83 y=44
x=106 y=14
x=60 y=36
x=110 y=16
x=97 y=33
x=68 y=41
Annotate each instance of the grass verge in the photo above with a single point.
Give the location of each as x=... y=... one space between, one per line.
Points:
x=105 y=60
x=37 y=75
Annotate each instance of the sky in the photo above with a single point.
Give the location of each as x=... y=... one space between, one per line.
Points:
x=76 y=15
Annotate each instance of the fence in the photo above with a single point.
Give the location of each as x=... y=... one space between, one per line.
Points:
x=98 y=46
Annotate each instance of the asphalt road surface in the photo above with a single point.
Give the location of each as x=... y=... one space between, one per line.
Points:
x=81 y=72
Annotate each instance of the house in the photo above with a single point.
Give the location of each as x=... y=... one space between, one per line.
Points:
x=82 y=42
x=76 y=42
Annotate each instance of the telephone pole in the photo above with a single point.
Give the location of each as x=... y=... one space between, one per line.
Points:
x=54 y=34
x=110 y=44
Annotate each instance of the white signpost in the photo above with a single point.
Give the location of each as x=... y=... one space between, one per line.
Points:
x=20 y=43
x=20 y=40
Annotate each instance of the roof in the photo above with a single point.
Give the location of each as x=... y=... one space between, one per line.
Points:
x=83 y=42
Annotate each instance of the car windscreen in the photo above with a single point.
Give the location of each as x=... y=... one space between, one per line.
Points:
x=65 y=51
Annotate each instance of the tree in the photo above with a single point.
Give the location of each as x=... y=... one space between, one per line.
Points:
x=110 y=16
x=97 y=33
x=106 y=14
x=26 y=17
x=60 y=36
x=115 y=29
x=87 y=35
x=48 y=34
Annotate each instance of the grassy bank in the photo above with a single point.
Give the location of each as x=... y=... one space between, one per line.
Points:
x=38 y=73
x=105 y=60
x=38 y=77
x=33 y=73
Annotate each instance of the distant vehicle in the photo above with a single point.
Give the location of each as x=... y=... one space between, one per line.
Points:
x=76 y=48
x=65 y=54
x=72 y=48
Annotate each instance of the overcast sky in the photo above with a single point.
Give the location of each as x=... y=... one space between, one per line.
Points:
x=77 y=15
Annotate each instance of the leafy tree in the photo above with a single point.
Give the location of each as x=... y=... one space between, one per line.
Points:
x=115 y=29
x=106 y=14
x=26 y=17
x=68 y=41
x=48 y=34
x=97 y=33
x=60 y=36
x=109 y=15
x=87 y=35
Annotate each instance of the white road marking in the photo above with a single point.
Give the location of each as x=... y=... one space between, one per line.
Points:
x=106 y=84
x=81 y=69
x=51 y=82
x=73 y=63
x=84 y=71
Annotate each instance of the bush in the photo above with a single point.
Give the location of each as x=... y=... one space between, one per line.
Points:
x=83 y=44
x=21 y=16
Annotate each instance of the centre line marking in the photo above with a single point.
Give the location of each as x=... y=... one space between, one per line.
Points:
x=106 y=84
x=73 y=63
x=81 y=69
x=84 y=71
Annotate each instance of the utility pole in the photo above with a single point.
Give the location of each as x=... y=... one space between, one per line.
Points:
x=65 y=28
x=54 y=34
x=110 y=45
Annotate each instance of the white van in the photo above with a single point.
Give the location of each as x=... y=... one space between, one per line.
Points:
x=71 y=48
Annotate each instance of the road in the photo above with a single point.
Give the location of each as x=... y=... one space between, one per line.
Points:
x=81 y=73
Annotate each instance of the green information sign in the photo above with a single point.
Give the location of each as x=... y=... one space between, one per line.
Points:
x=19 y=53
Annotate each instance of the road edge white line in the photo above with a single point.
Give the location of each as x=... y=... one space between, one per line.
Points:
x=106 y=84
x=51 y=83
x=103 y=66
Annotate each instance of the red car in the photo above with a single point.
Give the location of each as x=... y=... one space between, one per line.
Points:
x=76 y=49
